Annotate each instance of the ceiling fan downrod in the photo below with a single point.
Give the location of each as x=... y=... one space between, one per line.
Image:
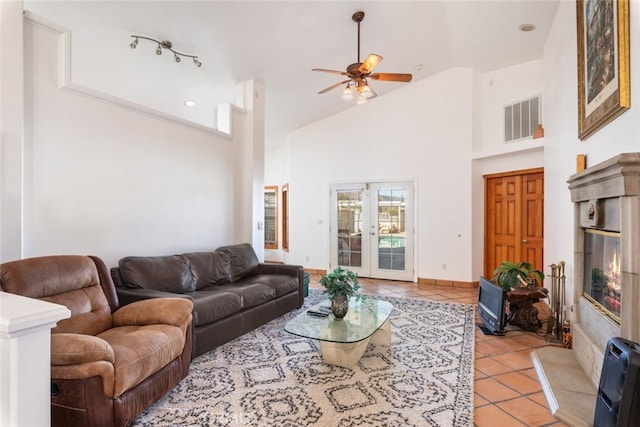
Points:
x=357 y=18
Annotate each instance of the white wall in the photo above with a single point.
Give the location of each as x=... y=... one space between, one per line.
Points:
x=421 y=132
x=108 y=181
x=116 y=197
x=11 y=118
x=503 y=87
x=444 y=132
x=561 y=129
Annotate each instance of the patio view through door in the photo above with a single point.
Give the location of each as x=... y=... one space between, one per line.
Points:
x=372 y=228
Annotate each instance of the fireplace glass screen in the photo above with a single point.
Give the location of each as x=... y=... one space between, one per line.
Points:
x=602 y=270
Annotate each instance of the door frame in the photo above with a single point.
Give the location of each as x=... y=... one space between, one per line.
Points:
x=486 y=179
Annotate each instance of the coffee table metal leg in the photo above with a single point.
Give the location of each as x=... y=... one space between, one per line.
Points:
x=345 y=355
x=382 y=336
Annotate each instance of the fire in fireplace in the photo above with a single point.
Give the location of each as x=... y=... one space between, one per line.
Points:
x=602 y=271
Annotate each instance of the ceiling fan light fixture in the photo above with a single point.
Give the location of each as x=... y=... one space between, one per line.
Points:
x=365 y=91
x=359 y=72
x=347 y=94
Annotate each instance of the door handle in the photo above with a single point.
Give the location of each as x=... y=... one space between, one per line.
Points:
x=525 y=241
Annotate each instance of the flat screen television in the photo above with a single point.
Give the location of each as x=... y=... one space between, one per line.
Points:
x=491 y=307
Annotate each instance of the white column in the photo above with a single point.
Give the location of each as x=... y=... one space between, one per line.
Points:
x=25 y=364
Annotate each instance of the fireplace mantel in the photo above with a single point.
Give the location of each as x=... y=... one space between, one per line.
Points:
x=606 y=196
x=616 y=177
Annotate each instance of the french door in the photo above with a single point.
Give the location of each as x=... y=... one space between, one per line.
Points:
x=372 y=229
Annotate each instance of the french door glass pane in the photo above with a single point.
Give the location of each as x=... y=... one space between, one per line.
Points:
x=350 y=228
x=391 y=228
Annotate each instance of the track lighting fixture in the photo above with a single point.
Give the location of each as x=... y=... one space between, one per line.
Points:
x=165 y=45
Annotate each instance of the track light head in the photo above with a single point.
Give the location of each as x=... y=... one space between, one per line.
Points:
x=134 y=44
x=159 y=50
x=176 y=57
x=198 y=63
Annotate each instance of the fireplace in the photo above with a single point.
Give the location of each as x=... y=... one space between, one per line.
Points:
x=601 y=272
x=605 y=297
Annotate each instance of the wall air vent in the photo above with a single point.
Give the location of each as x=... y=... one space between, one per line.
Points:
x=521 y=119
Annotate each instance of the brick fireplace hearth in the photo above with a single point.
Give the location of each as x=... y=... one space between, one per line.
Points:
x=606 y=199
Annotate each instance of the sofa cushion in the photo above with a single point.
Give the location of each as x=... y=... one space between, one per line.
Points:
x=252 y=294
x=213 y=303
x=161 y=273
x=242 y=260
x=208 y=268
x=281 y=283
x=141 y=351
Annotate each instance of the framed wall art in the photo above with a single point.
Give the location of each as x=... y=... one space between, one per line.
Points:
x=603 y=63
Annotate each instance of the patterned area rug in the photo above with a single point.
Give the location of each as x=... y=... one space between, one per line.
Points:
x=272 y=378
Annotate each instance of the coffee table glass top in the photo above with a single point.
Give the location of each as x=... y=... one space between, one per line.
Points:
x=362 y=320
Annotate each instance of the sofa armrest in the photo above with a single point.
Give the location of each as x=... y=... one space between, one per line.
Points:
x=74 y=349
x=288 y=269
x=165 y=311
x=129 y=295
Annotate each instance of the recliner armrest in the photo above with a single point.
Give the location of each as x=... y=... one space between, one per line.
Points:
x=165 y=311
x=74 y=349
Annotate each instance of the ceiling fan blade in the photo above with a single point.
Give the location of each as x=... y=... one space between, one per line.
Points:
x=332 y=87
x=342 y=73
x=392 y=77
x=370 y=63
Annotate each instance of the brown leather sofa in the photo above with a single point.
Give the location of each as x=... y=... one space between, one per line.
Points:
x=108 y=363
x=232 y=292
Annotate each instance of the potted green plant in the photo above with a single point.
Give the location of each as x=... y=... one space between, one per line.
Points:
x=509 y=275
x=339 y=285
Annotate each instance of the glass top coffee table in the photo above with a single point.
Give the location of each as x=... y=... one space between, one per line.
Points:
x=343 y=342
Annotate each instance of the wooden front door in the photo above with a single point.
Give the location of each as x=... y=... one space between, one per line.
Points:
x=514 y=214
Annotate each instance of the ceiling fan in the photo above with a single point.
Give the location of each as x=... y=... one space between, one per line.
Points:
x=359 y=72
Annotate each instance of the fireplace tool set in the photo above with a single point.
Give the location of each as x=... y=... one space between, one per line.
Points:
x=558 y=326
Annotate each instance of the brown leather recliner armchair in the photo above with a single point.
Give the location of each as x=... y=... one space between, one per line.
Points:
x=108 y=364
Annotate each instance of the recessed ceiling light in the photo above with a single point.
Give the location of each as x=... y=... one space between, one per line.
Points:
x=189 y=102
x=527 y=27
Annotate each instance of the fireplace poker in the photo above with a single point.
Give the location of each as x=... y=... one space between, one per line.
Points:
x=557 y=302
x=562 y=295
x=551 y=320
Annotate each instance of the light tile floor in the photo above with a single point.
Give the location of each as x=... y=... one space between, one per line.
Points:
x=507 y=390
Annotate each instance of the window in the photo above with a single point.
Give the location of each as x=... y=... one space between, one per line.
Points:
x=271 y=217
x=285 y=217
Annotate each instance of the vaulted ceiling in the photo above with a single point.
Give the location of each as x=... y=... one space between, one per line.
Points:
x=279 y=42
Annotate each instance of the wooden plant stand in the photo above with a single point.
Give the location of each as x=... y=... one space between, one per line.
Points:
x=522 y=312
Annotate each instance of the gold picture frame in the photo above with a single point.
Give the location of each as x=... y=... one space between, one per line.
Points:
x=603 y=63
